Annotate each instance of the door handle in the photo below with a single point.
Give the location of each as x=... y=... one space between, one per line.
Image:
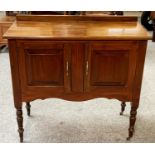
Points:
x=67 y=68
x=87 y=68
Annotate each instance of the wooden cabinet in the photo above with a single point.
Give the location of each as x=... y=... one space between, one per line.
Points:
x=77 y=61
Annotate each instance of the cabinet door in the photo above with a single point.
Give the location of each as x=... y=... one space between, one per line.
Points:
x=44 y=68
x=110 y=66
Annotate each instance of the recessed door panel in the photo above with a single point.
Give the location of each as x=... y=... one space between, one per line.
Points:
x=109 y=68
x=43 y=67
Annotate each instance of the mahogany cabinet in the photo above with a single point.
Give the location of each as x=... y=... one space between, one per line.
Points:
x=102 y=57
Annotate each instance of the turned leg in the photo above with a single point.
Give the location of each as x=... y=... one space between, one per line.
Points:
x=122 y=108
x=19 y=114
x=28 y=108
x=133 y=113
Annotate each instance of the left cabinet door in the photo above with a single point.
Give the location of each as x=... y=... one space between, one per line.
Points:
x=43 y=68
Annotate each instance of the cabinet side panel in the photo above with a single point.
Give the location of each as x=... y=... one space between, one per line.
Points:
x=15 y=73
x=139 y=71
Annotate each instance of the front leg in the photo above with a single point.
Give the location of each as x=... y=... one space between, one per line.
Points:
x=19 y=114
x=123 y=105
x=28 y=108
x=133 y=114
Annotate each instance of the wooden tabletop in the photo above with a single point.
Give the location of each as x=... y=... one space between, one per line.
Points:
x=77 y=28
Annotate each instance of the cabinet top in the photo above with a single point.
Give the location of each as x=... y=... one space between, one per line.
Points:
x=77 y=28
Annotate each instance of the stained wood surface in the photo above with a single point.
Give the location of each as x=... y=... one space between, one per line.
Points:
x=77 y=27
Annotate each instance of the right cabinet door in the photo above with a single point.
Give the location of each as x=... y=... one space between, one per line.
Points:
x=110 y=66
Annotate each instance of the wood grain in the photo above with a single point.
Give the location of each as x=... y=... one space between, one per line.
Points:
x=47 y=18
x=77 y=72
x=78 y=28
